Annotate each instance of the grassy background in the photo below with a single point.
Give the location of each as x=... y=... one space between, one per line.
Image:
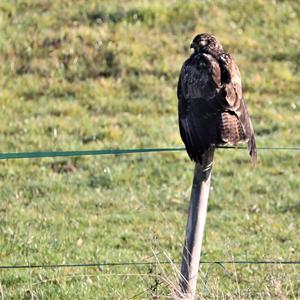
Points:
x=102 y=74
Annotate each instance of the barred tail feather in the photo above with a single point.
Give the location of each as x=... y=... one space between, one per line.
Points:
x=252 y=149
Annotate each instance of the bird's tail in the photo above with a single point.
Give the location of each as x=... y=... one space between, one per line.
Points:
x=252 y=149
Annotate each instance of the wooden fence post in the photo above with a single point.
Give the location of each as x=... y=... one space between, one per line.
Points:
x=195 y=227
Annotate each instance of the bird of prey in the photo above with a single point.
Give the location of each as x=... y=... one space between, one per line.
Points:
x=211 y=108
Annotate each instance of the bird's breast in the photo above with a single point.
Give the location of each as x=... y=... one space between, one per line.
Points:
x=197 y=81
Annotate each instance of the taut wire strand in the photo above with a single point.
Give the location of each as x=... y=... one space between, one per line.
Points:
x=44 y=154
x=115 y=264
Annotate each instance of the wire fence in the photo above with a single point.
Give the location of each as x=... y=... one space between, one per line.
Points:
x=44 y=154
x=118 y=264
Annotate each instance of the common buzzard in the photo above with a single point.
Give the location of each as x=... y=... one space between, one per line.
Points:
x=210 y=103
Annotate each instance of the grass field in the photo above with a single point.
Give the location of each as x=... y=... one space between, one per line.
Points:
x=102 y=74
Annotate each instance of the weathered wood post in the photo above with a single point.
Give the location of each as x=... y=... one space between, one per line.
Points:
x=195 y=227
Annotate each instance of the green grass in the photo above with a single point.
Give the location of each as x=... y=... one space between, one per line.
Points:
x=103 y=74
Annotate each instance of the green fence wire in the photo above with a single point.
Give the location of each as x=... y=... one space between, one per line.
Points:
x=43 y=154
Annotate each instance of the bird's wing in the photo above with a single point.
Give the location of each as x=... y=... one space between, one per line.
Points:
x=233 y=89
x=198 y=104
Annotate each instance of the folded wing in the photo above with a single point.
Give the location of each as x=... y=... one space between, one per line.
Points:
x=210 y=105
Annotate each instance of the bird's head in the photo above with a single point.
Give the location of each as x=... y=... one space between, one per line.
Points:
x=207 y=43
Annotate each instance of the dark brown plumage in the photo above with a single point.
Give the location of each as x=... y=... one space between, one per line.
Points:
x=210 y=103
